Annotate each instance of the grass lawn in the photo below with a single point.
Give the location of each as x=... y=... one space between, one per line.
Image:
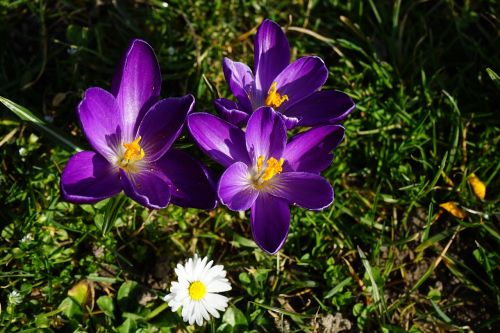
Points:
x=384 y=257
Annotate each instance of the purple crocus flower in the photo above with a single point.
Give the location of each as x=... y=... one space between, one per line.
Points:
x=291 y=89
x=265 y=173
x=131 y=132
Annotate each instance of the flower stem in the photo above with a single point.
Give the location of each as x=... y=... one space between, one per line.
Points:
x=157 y=311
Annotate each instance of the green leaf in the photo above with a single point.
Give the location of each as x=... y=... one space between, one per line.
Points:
x=357 y=309
x=33 y=120
x=245 y=278
x=434 y=294
x=105 y=303
x=80 y=292
x=128 y=326
x=245 y=242
x=234 y=317
x=127 y=295
x=71 y=308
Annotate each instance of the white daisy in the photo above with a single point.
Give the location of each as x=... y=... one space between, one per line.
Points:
x=196 y=290
x=15 y=297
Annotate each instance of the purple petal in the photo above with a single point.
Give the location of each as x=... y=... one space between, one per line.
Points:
x=300 y=79
x=147 y=187
x=136 y=84
x=89 y=178
x=241 y=81
x=162 y=124
x=222 y=141
x=290 y=122
x=101 y=123
x=230 y=111
x=305 y=189
x=235 y=190
x=322 y=107
x=265 y=134
x=271 y=54
x=310 y=151
x=270 y=217
x=189 y=181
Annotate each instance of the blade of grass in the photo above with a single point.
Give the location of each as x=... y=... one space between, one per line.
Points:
x=494 y=77
x=281 y=311
x=33 y=120
x=376 y=293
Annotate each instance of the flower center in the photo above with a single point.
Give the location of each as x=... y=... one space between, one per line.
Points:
x=274 y=99
x=264 y=174
x=197 y=290
x=133 y=151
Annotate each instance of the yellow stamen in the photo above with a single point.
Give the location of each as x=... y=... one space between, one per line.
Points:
x=260 y=161
x=273 y=167
x=197 y=290
x=274 y=99
x=133 y=151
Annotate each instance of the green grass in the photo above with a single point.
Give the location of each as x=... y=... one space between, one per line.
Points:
x=424 y=77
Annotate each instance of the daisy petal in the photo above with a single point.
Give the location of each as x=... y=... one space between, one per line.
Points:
x=219 y=302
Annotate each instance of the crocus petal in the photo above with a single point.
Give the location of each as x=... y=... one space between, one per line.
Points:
x=241 y=81
x=322 y=107
x=265 y=134
x=162 y=124
x=270 y=217
x=101 y=122
x=231 y=111
x=235 y=190
x=271 y=54
x=147 y=188
x=136 y=84
x=305 y=189
x=290 y=122
x=222 y=141
x=190 y=183
x=88 y=178
x=310 y=151
x=300 y=79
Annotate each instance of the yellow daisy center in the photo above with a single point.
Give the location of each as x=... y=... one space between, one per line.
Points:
x=274 y=99
x=197 y=290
